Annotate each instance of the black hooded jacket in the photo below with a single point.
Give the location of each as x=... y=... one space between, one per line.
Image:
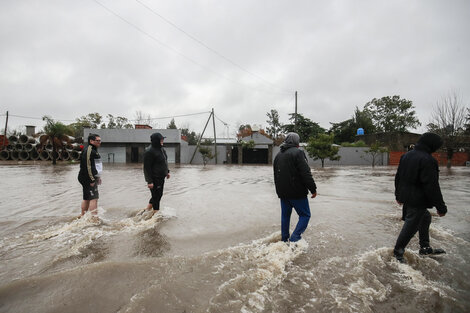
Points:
x=417 y=177
x=292 y=176
x=155 y=160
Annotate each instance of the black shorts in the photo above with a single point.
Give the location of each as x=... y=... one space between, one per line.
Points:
x=90 y=192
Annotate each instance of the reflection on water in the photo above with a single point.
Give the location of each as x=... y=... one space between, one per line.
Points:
x=214 y=246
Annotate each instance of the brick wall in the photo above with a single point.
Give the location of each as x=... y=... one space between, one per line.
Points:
x=458 y=159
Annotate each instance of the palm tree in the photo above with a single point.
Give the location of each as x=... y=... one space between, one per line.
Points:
x=56 y=134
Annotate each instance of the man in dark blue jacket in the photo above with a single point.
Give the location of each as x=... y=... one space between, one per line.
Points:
x=417 y=189
x=293 y=179
x=156 y=170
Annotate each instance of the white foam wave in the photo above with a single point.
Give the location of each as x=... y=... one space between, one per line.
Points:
x=268 y=259
x=72 y=238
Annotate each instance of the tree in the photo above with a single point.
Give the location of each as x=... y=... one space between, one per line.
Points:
x=346 y=131
x=118 y=122
x=244 y=131
x=56 y=133
x=275 y=127
x=467 y=125
x=448 y=121
x=306 y=128
x=206 y=153
x=391 y=114
x=191 y=136
x=322 y=147
x=374 y=151
x=92 y=120
x=172 y=124
x=142 y=118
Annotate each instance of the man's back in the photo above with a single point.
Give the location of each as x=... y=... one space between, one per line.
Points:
x=292 y=175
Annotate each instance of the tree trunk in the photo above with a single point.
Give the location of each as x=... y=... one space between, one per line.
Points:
x=53 y=152
x=450 y=154
x=322 y=163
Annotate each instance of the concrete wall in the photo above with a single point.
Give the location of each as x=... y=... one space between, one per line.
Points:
x=221 y=155
x=113 y=154
x=349 y=156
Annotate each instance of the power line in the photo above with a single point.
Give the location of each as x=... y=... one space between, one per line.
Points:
x=171 y=48
x=36 y=118
x=147 y=119
x=167 y=117
x=209 y=48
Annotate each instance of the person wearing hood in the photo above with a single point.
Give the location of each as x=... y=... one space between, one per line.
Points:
x=293 y=180
x=417 y=189
x=155 y=170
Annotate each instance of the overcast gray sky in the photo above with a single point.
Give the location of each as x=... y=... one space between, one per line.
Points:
x=243 y=58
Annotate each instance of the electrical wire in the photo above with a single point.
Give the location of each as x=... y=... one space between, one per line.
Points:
x=209 y=48
x=175 y=50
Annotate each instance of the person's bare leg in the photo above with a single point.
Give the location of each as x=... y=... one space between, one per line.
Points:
x=85 y=206
x=93 y=208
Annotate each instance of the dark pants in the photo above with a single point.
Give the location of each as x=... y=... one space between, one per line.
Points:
x=89 y=192
x=416 y=219
x=157 y=192
x=303 y=210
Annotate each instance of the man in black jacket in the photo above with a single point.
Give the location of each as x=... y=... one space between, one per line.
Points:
x=417 y=189
x=89 y=174
x=293 y=179
x=155 y=170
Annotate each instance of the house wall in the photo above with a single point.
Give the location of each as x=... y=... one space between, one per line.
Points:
x=221 y=155
x=113 y=154
x=122 y=153
x=349 y=156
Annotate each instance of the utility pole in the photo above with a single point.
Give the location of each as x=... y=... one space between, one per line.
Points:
x=215 y=137
x=200 y=138
x=295 y=114
x=5 y=137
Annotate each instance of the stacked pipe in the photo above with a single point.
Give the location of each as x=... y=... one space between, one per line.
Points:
x=25 y=148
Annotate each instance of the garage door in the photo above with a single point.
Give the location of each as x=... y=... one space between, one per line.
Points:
x=170 y=153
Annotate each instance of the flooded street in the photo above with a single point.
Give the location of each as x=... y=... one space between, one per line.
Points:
x=214 y=247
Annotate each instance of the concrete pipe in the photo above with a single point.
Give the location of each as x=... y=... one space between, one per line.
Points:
x=44 y=155
x=10 y=147
x=48 y=147
x=15 y=155
x=4 y=155
x=65 y=155
x=55 y=155
x=74 y=155
x=19 y=147
x=34 y=154
x=70 y=139
x=76 y=147
x=13 y=139
x=26 y=139
x=29 y=147
x=78 y=140
x=24 y=156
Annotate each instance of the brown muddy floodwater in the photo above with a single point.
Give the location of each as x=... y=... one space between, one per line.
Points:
x=214 y=247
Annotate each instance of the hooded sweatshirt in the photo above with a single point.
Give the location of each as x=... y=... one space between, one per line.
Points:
x=292 y=176
x=155 y=160
x=417 y=177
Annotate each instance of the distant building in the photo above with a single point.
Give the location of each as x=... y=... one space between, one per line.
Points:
x=261 y=153
x=394 y=141
x=128 y=145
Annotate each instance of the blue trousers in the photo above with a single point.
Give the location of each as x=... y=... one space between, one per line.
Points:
x=303 y=210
